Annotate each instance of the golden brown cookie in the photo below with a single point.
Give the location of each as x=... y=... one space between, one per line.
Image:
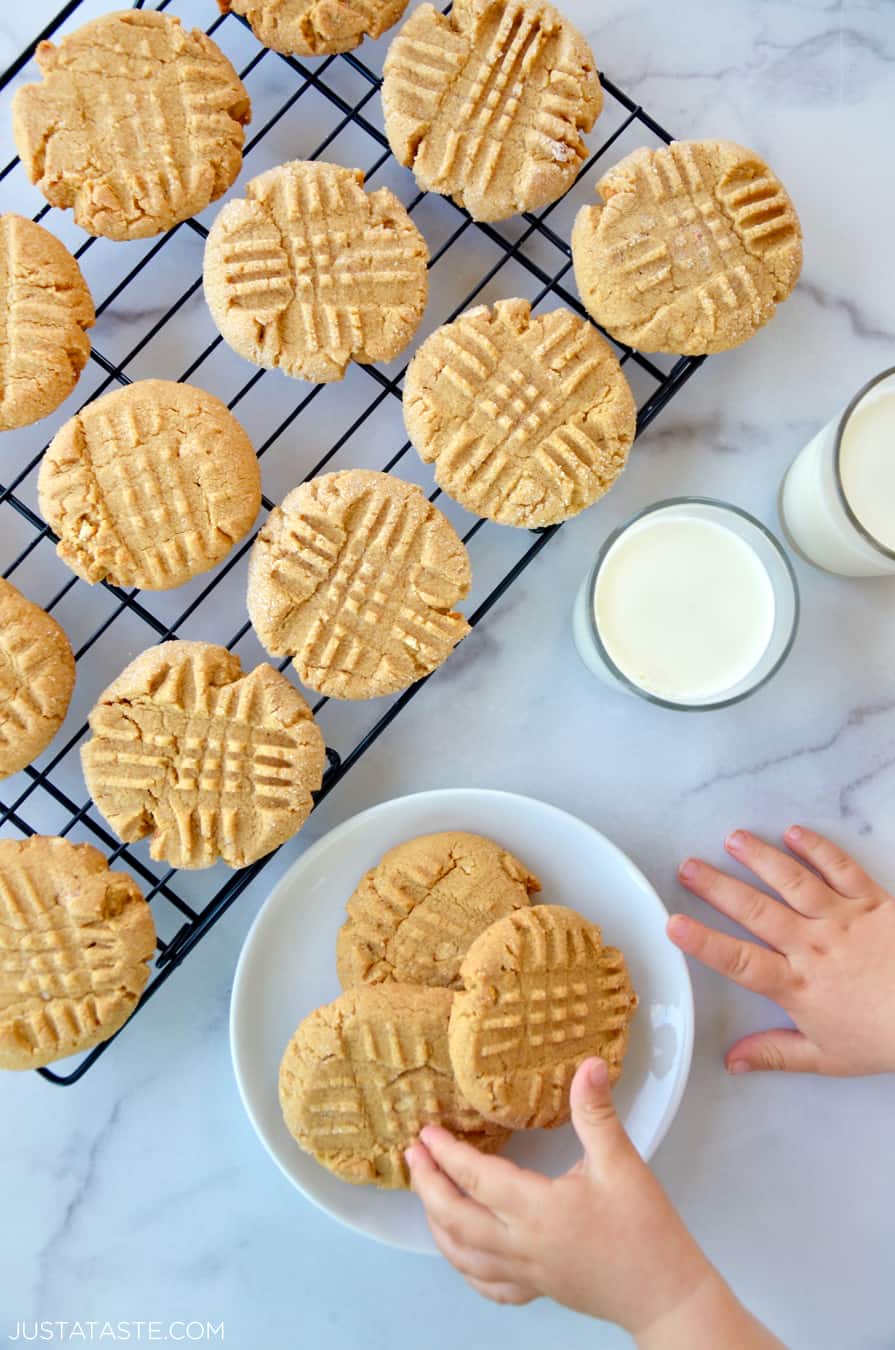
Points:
x=45 y=306
x=693 y=249
x=541 y=993
x=363 y=1075
x=207 y=761
x=308 y=271
x=488 y=104
x=149 y=485
x=37 y=676
x=413 y=916
x=354 y=577
x=137 y=124
x=75 y=941
x=316 y=27
x=528 y=419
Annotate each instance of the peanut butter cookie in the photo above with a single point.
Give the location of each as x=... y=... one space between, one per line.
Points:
x=694 y=247
x=488 y=104
x=363 y=1075
x=354 y=577
x=541 y=993
x=149 y=485
x=45 y=307
x=37 y=676
x=137 y=123
x=76 y=940
x=207 y=761
x=308 y=271
x=413 y=916
x=527 y=419
x=316 y=27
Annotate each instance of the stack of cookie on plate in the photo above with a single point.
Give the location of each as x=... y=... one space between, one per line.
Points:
x=464 y=1004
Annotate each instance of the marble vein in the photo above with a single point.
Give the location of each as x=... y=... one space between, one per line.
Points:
x=857 y=717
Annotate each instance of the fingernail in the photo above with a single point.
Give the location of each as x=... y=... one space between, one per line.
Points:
x=598 y=1074
x=738 y=1066
x=794 y=832
x=408 y=1156
x=687 y=869
x=677 y=925
x=736 y=841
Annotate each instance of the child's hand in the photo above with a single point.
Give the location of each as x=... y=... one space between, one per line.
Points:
x=831 y=963
x=603 y=1239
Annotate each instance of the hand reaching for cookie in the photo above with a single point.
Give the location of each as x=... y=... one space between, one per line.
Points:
x=829 y=958
x=604 y=1239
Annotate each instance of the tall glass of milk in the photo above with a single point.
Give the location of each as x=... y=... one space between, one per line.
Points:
x=691 y=604
x=837 y=502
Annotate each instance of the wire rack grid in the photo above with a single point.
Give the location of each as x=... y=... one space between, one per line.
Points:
x=475 y=262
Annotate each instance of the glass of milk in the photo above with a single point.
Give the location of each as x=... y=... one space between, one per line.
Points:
x=692 y=604
x=837 y=502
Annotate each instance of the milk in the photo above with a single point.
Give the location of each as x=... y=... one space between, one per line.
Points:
x=684 y=606
x=838 y=498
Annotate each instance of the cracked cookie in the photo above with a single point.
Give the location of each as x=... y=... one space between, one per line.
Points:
x=488 y=104
x=692 y=250
x=413 y=915
x=209 y=762
x=354 y=576
x=149 y=485
x=37 y=676
x=540 y=994
x=363 y=1075
x=316 y=27
x=308 y=271
x=76 y=943
x=45 y=307
x=528 y=419
x=137 y=123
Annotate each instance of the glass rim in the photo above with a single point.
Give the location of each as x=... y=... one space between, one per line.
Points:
x=859 y=397
x=637 y=689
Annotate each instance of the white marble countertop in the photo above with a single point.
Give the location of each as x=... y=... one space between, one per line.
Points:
x=143 y=1194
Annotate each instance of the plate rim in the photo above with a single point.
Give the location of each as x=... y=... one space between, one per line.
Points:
x=344 y=827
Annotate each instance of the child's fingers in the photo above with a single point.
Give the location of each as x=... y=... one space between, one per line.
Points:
x=796 y=884
x=471 y=1262
x=765 y=917
x=838 y=868
x=781 y=1050
x=505 y=1292
x=495 y=1182
x=753 y=967
x=594 y=1117
x=463 y=1219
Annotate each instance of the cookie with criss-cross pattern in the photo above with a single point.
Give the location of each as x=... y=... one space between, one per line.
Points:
x=692 y=250
x=316 y=27
x=528 y=418
x=413 y=915
x=37 y=676
x=76 y=940
x=489 y=104
x=207 y=761
x=45 y=309
x=149 y=485
x=137 y=123
x=363 y=1075
x=308 y=271
x=541 y=992
x=355 y=576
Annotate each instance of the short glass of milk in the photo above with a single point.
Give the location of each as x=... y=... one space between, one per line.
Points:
x=691 y=604
x=837 y=502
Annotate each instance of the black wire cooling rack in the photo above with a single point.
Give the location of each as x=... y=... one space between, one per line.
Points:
x=531 y=255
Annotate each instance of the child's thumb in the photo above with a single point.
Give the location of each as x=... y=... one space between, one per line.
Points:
x=593 y=1114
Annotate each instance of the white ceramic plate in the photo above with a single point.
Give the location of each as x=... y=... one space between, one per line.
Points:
x=287 y=968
